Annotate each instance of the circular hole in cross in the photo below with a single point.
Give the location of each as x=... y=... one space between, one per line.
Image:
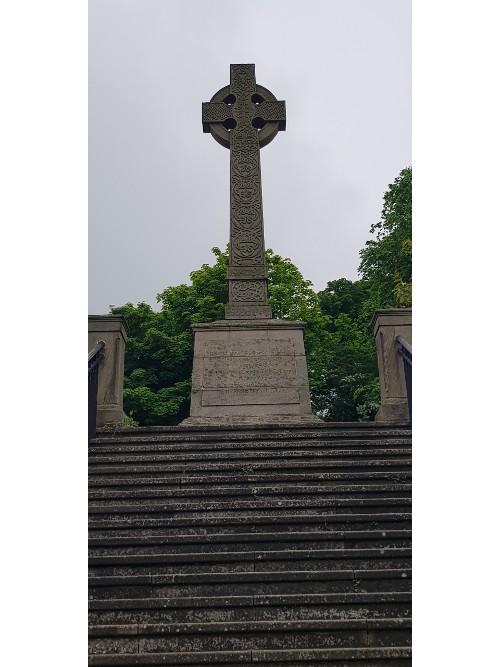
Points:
x=258 y=123
x=229 y=123
x=257 y=99
x=229 y=99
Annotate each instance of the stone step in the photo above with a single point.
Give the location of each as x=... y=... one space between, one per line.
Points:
x=289 y=432
x=289 y=582
x=243 y=447
x=257 y=557
x=312 y=504
x=266 y=479
x=249 y=635
x=244 y=458
x=248 y=541
x=250 y=561
x=317 y=503
x=256 y=522
x=242 y=608
x=394 y=656
x=258 y=560
x=206 y=469
x=251 y=491
x=239 y=545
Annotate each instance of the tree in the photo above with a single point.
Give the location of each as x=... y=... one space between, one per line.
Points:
x=344 y=296
x=157 y=366
x=350 y=388
x=386 y=261
x=158 y=359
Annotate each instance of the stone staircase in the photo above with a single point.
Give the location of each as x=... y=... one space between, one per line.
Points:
x=250 y=545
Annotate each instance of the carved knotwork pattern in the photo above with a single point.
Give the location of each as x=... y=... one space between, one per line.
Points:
x=247 y=233
x=247 y=253
x=248 y=290
x=242 y=79
x=271 y=111
x=246 y=216
x=246 y=248
x=246 y=190
x=246 y=165
x=213 y=112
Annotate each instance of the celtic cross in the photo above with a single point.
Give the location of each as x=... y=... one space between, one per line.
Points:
x=244 y=117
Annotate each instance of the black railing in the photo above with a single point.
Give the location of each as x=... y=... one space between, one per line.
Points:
x=404 y=350
x=95 y=358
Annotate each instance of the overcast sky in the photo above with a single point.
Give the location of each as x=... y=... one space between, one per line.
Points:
x=159 y=187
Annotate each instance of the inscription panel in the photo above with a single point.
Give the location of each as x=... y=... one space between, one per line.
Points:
x=237 y=311
x=265 y=371
x=250 y=397
x=246 y=374
x=250 y=347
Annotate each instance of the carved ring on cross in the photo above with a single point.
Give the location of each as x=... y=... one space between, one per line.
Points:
x=222 y=135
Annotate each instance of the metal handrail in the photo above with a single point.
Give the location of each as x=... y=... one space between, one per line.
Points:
x=404 y=344
x=94 y=360
x=404 y=349
x=94 y=354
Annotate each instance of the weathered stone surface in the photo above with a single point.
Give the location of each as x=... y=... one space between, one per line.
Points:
x=320 y=430
x=387 y=325
x=244 y=117
x=112 y=331
x=249 y=372
x=281 y=545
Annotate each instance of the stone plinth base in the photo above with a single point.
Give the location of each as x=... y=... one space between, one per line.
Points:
x=112 y=331
x=249 y=372
x=238 y=420
x=388 y=324
x=393 y=411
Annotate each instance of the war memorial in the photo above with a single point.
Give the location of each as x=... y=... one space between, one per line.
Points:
x=253 y=532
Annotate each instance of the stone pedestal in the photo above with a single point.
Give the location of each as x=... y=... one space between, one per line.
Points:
x=387 y=325
x=112 y=331
x=249 y=372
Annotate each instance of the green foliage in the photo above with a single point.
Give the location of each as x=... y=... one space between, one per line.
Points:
x=128 y=421
x=350 y=388
x=159 y=352
x=157 y=365
x=386 y=261
x=202 y=301
x=338 y=339
x=293 y=298
x=344 y=296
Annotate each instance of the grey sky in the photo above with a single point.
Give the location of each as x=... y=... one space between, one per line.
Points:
x=159 y=187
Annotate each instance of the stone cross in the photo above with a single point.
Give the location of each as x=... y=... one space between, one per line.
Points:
x=244 y=117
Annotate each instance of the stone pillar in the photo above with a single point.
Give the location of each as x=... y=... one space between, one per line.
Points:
x=112 y=331
x=387 y=325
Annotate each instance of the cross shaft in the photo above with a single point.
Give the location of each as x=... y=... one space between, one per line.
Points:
x=243 y=117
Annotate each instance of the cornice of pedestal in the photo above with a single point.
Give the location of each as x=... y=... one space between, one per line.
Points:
x=107 y=323
x=231 y=325
x=391 y=317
